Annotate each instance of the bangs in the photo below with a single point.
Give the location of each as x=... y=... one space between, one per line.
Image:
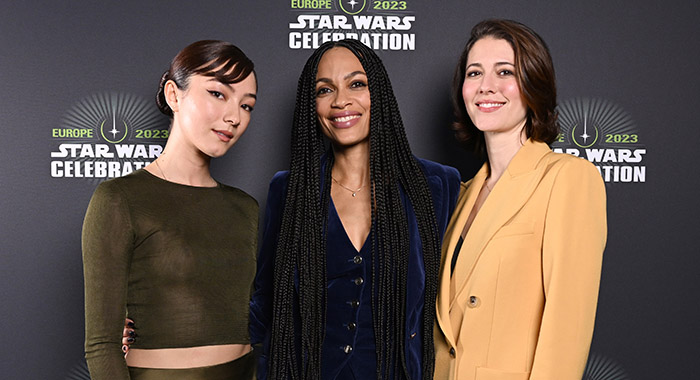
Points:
x=226 y=70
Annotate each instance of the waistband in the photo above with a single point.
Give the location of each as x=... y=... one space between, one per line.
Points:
x=241 y=368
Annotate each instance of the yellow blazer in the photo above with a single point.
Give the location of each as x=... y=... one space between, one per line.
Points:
x=521 y=301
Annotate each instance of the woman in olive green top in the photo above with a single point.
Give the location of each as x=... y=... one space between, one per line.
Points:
x=170 y=247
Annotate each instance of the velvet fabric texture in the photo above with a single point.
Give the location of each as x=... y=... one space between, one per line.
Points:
x=348 y=348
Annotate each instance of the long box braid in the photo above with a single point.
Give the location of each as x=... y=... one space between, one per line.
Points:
x=301 y=247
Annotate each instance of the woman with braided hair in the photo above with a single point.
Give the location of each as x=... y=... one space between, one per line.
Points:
x=348 y=267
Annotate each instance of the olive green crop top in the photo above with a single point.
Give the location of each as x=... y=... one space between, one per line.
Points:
x=179 y=260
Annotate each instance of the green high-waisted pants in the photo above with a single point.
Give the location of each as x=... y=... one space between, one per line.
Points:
x=242 y=368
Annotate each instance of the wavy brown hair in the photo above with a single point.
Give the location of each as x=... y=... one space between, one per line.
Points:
x=534 y=71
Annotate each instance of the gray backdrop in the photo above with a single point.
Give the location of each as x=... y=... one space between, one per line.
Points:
x=634 y=64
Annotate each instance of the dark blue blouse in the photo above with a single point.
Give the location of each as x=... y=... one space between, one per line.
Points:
x=348 y=348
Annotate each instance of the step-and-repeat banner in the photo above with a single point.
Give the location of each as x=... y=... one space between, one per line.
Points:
x=78 y=82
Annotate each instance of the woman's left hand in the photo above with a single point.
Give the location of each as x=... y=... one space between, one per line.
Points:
x=128 y=335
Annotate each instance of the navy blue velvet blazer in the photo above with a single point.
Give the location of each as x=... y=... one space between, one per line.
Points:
x=444 y=183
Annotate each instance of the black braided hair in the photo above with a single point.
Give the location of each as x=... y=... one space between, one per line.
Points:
x=301 y=246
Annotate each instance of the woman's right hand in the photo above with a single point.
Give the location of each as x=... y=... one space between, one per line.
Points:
x=128 y=335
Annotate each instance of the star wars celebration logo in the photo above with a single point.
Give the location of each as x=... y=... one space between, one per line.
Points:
x=381 y=25
x=605 y=135
x=106 y=136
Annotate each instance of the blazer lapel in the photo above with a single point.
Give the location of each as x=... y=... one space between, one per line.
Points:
x=465 y=203
x=511 y=192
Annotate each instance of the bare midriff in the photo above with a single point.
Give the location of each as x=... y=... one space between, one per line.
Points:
x=185 y=357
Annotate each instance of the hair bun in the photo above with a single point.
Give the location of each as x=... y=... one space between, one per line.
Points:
x=160 y=95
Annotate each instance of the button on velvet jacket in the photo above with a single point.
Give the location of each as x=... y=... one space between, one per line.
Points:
x=340 y=349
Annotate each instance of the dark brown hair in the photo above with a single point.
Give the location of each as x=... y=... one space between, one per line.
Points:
x=219 y=59
x=534 y=71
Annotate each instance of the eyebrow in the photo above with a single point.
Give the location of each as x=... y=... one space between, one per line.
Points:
x=229 y=85
x=350 y=75
x=496 y=64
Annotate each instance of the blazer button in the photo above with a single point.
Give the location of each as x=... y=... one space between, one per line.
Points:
x=357 y=259
x=358 y=281
x=452 y=352
x=474 y=301
x=354 y=303
x=347 y=349
x=351 y=326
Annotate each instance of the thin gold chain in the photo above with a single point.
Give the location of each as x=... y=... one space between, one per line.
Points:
x=161 y=170
x=354 y=192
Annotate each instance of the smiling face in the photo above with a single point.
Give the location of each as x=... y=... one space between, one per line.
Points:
x=212 y=115
x=342 y=98
x=491 y=92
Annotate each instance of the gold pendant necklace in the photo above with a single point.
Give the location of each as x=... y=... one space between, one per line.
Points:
x=354 y=192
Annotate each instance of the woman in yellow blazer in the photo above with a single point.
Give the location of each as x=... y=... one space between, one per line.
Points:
x=522 y=254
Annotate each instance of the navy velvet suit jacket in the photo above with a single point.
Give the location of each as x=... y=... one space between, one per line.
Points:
x=444 y=183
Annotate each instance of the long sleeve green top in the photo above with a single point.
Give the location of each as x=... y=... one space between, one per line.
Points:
x=179 y=260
